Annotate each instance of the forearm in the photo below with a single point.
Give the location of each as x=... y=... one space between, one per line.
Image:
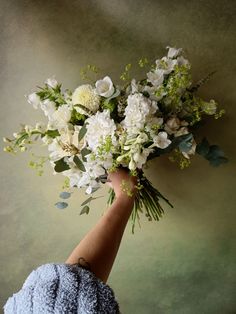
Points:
x=100 y=246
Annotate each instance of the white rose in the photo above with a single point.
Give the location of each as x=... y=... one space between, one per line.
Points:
x=34 y=100
x=51 y=82
x=105 y=87
x=86 y=96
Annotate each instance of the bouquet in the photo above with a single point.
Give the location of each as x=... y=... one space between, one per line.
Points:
x=102 y=126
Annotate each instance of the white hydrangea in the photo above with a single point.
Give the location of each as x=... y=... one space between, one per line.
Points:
x=137 y=112
x=99 y=126
x=86 y=96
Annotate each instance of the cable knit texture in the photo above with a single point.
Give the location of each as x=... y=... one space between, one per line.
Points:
x=62 y=289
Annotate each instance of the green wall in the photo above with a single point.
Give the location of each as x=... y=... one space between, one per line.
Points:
x=184 y=264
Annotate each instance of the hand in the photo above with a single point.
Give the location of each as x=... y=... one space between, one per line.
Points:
x=123 y=183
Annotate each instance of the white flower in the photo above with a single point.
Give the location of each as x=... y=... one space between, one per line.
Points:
x=34 y=100
x=172 y=125
x=140 y=158
x=51 y=82
x=105 y=87
x=135 y=87
x=173 y=52
x=161 y=140
x=99 y=127
x=61 y=116
x=156 y=77
x=156 y=93
x=137 y=112
x=166 y=65
x=182 y=61
x=40 y=126
x=48 y=107
x=86 y=96
x=66 y=144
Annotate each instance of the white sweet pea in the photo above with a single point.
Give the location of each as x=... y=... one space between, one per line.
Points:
x=161 y=140
x=34 y=100
x=166 y=65
x=51 y=82
x=105 y=87
x=48 y=107
x=173 y=52
x=155 y=77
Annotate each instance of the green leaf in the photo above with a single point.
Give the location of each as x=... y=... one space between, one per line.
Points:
x=51 y=133
x=215 y=162
x=21 y=138
x=61 y=205
x=85 y=210
x=84 y=152
x=186 y=144
x=82 y=132
x=65 y=195
x=203 y=147
x=88 y=200
x=61 y=165
x=79 y=163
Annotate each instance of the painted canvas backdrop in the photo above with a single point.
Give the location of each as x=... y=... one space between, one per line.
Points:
x=184 y=264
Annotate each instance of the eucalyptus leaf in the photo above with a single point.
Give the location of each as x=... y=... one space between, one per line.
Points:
x=61 y=165
x=85 y=210
x=65 y=195
x=214 y=152
x=79 y=163
x=84 y=152
x=203 y=147
x=61 y=205
x=215 y=162
x=82 y=132
x=88 y=200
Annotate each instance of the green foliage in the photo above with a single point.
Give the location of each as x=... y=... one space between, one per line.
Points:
x=178 y=157
x=53 y=94
x=85 y=210
x=65 y=195
x=143 y=62
x=82 y=132
x=61 y=205
x=89 y=73
x=79 y=163
x=61 y=165
x=77 y=118
x=125 y=76
x=38 y=163
x=51 y=133
x=212 y=153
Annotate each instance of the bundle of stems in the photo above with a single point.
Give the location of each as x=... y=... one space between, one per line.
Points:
x=147 y=198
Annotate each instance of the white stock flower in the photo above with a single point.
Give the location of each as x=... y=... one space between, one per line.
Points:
x=99 y=126
x=137 y=111
x=48 y=107
x=155 y=77
x=51 y=82
x=61 y=116
x=86 y=96
x=173 y=52
x=34 y=100
x=105 y=87
x=161 y=140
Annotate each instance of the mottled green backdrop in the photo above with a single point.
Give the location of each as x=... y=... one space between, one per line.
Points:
x=184 y=264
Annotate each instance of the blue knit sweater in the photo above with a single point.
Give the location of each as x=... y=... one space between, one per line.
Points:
x=62 y=289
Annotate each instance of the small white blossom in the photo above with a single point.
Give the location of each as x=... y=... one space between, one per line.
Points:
x=173 y=52
x=166 y=65
x=51 y=82
x=161 y=140
x=61 y=116
x=48 y=107
x=105 y=87
x=34 y=100
x=155 y=77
